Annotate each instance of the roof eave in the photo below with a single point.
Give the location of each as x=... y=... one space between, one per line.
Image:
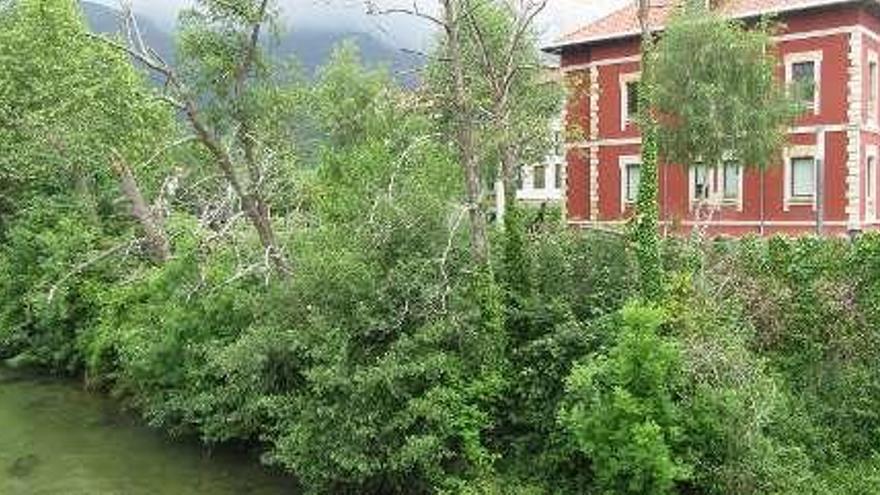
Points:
x=562 y=44
x=557 y=47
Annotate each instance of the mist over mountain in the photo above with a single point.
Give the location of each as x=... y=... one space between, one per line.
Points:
x=107 y=20
x=311 y=46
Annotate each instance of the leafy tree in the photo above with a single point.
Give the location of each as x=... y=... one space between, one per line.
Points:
x=72 y=110
x=49 y=90
x=490 y=87
x=717 y=91
x=512 y=85
x=227 y=92
x=709 y=94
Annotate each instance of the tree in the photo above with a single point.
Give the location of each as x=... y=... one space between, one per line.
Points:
x=623 y=412
x=464 y=124
x=645 y=232
x=709 y=94
x=717 y=91
x=519 y=95
x=493 y=92
x=62 y=81
x=71 y=111
x=221 y=89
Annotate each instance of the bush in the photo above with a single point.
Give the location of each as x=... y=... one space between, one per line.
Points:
x=620 y=408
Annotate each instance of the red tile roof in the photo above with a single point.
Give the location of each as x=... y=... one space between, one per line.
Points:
x=624 y=22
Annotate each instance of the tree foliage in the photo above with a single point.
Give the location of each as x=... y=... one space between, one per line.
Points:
x=56 y=78
x=622 y=410
x=718 y=92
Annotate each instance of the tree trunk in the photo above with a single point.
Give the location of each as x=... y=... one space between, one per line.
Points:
x=646 y=232
x=255 y=208
x=509 y=156
x=157 y=240
x=509 y=165
x=465 y=136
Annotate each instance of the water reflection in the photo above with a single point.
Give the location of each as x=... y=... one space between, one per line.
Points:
x=58 y=439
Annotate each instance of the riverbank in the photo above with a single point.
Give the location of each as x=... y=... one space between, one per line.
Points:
x=59 y=439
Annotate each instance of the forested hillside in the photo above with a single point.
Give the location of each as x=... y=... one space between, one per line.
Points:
x=309 y=46
x=309 y=267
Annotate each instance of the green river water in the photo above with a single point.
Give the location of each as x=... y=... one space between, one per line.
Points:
x=56 y=439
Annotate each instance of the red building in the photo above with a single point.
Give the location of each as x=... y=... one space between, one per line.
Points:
x=832 y=152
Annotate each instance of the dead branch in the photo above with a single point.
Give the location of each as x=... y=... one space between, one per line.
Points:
x=445 y=258
x=86 y=264
x=389 y=190
x=251 y=201
x=373 y=9
x=157 y=240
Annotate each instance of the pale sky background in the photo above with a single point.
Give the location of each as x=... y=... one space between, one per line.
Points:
x=560 y=17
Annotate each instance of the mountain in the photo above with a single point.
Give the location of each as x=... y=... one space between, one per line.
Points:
x=310 y=46
x=107 y=20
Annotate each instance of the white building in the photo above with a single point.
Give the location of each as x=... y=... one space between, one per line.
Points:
x=544 y=182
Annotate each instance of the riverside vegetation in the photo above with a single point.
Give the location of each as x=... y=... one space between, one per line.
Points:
x=289 y=263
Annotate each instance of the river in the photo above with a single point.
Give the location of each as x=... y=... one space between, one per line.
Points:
x=56 y=439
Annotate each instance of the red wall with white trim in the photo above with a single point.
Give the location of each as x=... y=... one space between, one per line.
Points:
x=802 y=32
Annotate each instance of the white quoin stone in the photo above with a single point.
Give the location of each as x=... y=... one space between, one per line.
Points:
x=854 y=115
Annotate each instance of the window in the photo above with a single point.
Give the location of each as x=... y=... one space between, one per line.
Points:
x=633 y=174
x=802 y=178
x=558 y=144
x=872 y=87
x=721 y=183
x=731 y=180
x=630 y=177
x=632 y=100
x=804 y=78
x=803 y=73
x=539 y=179
x=557 y=175
x=701 y=182
x=629 y=98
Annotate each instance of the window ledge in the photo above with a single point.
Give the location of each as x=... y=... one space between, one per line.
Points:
x=715 y=202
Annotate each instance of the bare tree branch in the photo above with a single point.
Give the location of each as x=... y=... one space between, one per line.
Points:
x=76 y=270
x=251 y=200
x=373 y=9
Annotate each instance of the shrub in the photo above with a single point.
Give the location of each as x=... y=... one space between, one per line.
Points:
x=622 y=412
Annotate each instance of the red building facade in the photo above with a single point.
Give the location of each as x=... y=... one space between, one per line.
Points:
x=832 y=153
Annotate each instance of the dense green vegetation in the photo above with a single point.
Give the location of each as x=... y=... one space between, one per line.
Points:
x=353 y=332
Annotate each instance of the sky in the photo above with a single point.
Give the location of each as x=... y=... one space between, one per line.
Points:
x=404 y=31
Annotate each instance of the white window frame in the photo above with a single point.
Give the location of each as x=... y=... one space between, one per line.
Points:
x=797 y=152
x=873 y=89
x=626 y=78
x=801 y=57
x=740 y=171
x=871 y=152
x=623 y=162
x=692 y=183
x=715 y=179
